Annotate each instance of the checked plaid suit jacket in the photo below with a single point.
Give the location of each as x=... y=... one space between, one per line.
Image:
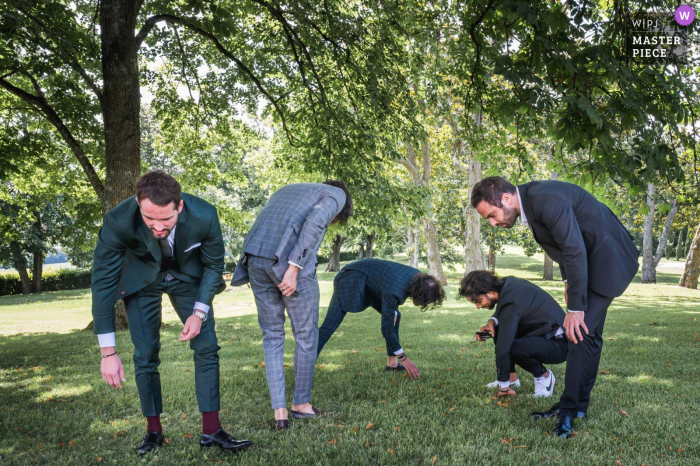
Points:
x=291 y=228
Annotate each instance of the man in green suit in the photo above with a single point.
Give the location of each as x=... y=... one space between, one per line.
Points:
x=162 y=241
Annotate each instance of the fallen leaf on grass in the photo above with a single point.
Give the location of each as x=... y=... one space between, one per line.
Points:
x=518 y=446
x=507 y=442
x=376 y=349
x=434 y=458
x=183 y=416
x=321 y=366
x=369 y=426
x=99 y=458
x=463 y=349
x=187 y=435
x=353 y=352
x=71 y=443
x=167 y=441
x=355 y=429
x=448 y=369
x=262 y=364
x=452 y=408
x=618 y=462
x=390 y=450
x=547 y=434
x=286 y=365
x=330 y=442
x=605 y=372
x=624 y=412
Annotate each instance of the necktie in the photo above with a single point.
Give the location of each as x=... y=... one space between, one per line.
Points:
x=165 y=248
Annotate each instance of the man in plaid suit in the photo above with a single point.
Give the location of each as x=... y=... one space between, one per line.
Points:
x=279 y=261
x=383 y=285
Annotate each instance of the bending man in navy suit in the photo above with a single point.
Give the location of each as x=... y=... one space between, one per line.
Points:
x=383 y=285
x=597 y=259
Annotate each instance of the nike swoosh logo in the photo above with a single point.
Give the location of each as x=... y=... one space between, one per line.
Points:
x=550 y=384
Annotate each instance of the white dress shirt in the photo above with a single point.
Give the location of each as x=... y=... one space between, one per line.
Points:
x=108 y=339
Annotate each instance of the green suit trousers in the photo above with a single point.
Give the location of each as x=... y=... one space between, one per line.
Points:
x=144 y=314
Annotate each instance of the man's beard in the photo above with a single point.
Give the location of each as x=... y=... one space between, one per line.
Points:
x=162 y=235
x=491 y=305
x=510 y=215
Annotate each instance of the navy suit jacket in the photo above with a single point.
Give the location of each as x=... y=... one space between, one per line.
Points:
x=590 y=244
x=380 y=284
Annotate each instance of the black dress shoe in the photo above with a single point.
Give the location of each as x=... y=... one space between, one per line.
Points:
x=281 y=424
x=551 y=412
x=224 y=441
x=150 y=442
x=399 y=367
x=565 y=426
x=316 y=413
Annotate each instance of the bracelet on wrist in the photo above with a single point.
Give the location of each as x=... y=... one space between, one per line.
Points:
x=402 y=356
x=108 y=355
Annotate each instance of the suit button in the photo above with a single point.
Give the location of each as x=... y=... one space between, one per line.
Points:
x=145 y=282
x=123 y=292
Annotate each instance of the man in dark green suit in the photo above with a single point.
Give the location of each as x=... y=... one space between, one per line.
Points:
x=162 y=241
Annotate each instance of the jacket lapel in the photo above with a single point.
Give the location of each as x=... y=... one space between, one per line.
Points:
x=182 y=234
x=149 y=240
x=527 y=209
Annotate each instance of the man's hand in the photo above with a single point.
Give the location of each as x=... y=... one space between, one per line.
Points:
x=509 y=392
x=566 y=294
x=111 y=368
x=489 y=327
x=411 y=369
x=572 y=325
x=193 y=325
x=288 y=285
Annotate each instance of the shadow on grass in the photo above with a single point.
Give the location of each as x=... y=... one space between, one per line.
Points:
x=46 y=297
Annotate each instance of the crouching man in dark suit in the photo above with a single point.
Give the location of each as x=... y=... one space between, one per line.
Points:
x=526 y=327
x=383 y=285
x=597 y=259
x=162 y=241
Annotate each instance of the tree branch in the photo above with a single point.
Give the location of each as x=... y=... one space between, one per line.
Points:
x=153 y=20
x=50 y=114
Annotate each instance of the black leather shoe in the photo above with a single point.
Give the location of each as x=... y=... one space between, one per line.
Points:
x=224 y=441
x=150 y=442
x=399 y=367
x=316 y=413
x=565 y=426
x=281 y=424
x=551 y=412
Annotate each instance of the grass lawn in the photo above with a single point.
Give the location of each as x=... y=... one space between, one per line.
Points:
x=57 y=410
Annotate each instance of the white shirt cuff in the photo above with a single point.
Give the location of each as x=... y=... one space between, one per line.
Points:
x=565 y=280
x=202 y=307
x=398 y=352
x=106 y=340
x=495 y=321
x=504 y=384
x=295 y=264
x=571 y=310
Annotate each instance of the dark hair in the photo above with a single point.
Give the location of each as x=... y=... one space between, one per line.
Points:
x=425 y=290
x=346 y=212
x=479 y=282
x=490 y=190
x=159 y=187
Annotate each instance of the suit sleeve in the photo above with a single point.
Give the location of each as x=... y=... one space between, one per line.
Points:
x=563 y=272
x=106 y=273
x=389 y=308
x=507 y=329
x=212 y=256
x=313 y=230
x=558 y=216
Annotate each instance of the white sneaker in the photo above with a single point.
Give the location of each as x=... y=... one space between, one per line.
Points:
x=495 y=384
x=544 y=386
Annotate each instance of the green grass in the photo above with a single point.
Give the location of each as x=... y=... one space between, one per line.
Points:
x=57 y=410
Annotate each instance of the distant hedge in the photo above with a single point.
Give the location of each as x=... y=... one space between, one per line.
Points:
x=58 y=280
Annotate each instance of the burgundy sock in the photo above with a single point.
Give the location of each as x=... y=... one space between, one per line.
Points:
x=210 y=422
x=154 y=424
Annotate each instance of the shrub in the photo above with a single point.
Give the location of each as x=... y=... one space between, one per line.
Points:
x=58 y=280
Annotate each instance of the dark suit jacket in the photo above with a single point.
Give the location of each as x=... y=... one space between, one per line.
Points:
x=590 y=244
x=128 y=258
x=380 y=284
x=523 y=310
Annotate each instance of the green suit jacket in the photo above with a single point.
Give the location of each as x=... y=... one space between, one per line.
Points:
x=128 y=258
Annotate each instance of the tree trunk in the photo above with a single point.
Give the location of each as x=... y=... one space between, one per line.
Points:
x=122 y=106
x=492 y=260
x=664 y=235
x=689 y=279
x=473 y=254
x=433 y=253
x=369 y=244
x=361 y=252
x=648 y=271
x=334 y=259
x=548 y=273
x=680 y=246
x=414 y=257
x=37 y=271
x=19 y=262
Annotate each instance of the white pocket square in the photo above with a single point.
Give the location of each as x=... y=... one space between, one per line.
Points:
x=195 y=245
